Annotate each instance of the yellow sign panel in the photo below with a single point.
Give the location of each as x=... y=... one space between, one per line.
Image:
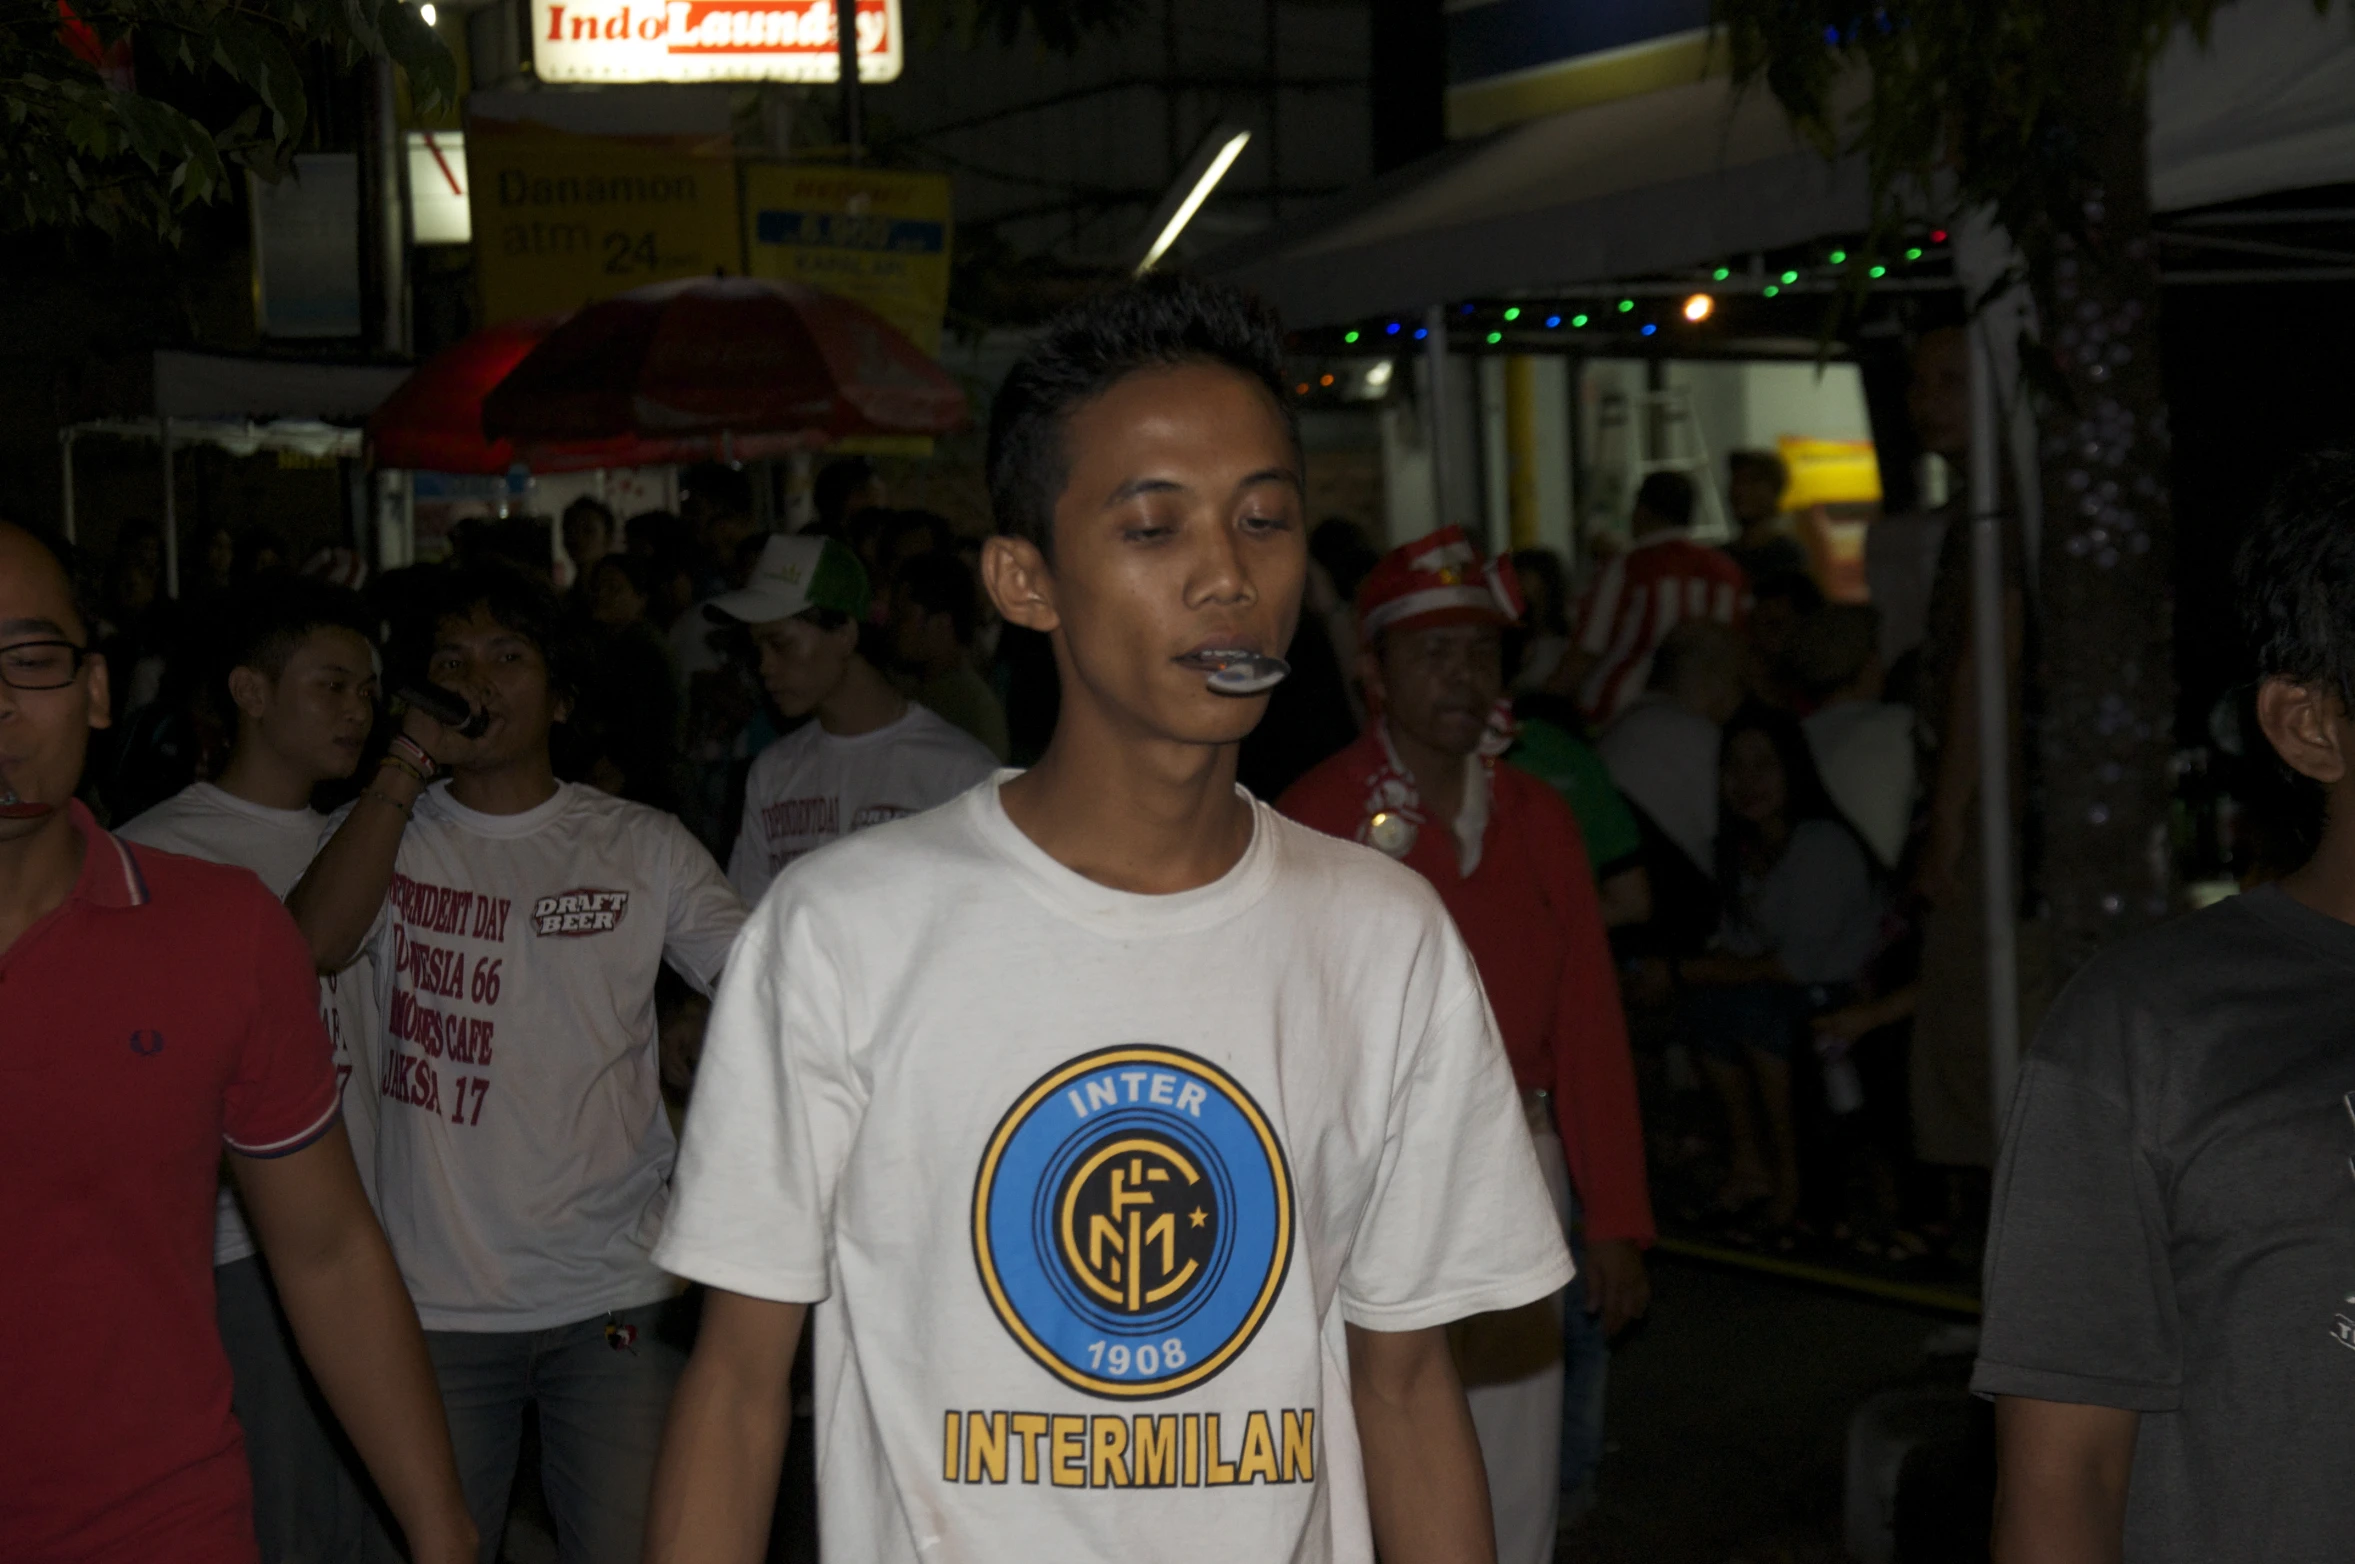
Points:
x=561 y=220
x=879 y=238
x=1829 y=472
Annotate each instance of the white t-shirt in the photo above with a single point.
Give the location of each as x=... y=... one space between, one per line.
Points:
x=204 y=821
x=953 y=1089
x=524 y=1157
x=810 y=787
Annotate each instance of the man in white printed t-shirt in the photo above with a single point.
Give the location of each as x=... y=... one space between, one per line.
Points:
x=869 y=755
x=517 y=925
x=301 y=674
x=1135 y=1144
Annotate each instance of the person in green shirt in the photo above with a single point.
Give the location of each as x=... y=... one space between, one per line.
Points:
x=1552 y=747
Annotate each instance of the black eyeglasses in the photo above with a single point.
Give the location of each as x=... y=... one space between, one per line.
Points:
x=41 y=665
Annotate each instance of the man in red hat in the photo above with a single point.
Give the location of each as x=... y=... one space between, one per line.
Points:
x=1423 y=785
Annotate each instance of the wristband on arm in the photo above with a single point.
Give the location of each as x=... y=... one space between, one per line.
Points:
x=411 y=757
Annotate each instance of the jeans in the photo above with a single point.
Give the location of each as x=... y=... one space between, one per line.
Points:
x=1586 y=1369
x=309 y=1490
x=601 y=1407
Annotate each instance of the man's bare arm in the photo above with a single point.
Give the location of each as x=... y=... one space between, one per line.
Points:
x=716 y=1480
x=2060 y=1481
x=338 y=897
x=1425 y=1483
x=336 y=901
x=1618 y=1288
x=359 y=1334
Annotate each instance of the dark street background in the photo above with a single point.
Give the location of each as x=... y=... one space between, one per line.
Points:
x=1729 y=1414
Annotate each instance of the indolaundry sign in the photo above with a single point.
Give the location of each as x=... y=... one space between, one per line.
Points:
x=707 y=40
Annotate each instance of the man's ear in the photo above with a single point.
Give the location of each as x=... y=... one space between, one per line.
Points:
x=250 y=691
x=1369 y=677
x=2307 y=726
x=1020 y=583
x=100 y=688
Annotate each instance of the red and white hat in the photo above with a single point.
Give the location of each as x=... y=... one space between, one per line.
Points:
x=1439 y=579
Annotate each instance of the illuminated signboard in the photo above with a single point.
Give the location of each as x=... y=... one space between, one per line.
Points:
x=707 y=40
x=439 y=212
x=880 y=238
x=561 y=219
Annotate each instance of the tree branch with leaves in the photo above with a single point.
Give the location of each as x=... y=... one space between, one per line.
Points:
x=123 y=114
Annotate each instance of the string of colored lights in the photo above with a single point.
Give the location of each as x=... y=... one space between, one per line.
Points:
x=1696 y=307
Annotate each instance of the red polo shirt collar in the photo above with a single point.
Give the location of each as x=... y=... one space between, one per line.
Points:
x=110 y=874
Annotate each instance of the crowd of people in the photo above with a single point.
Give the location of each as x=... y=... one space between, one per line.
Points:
x=1097 y=1083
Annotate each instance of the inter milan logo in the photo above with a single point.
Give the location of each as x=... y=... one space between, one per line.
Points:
x=1132 y=1221
x=1126 y=1229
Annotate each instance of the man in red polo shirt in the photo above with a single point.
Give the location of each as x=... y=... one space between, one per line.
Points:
x=1423 y=785
x=154 y=1010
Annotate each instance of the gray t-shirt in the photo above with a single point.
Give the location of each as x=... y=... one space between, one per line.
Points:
x=2174 y=1228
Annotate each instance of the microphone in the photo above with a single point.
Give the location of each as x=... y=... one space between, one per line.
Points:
x=446 y=707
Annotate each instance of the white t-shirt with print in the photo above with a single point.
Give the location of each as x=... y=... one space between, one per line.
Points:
x=208 y=822
x=811 y=787
x=1089 y=1183
x=523 y=1156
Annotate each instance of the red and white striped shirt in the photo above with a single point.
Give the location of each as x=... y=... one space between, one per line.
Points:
x=1663 y=579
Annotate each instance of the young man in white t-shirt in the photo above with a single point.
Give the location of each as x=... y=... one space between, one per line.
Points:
x=868 y=755
x=517 y=925
x=1135 y=1143
x=301 y=661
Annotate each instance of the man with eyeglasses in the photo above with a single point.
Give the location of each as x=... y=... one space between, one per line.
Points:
x=155 y=1009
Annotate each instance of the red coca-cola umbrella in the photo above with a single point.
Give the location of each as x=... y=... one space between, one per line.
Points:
x=732 y=356
x=433 y=421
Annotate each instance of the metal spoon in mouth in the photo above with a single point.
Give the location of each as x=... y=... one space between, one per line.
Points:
x=15 y=808
x=1239 y=673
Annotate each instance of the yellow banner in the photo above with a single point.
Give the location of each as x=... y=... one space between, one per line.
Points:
x=1828 y=472
x=561 y=220
x=879 y=238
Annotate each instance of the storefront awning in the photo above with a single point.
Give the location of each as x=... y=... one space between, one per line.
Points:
x=1689 y=174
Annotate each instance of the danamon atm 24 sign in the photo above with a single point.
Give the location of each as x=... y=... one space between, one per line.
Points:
x=707 y=40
